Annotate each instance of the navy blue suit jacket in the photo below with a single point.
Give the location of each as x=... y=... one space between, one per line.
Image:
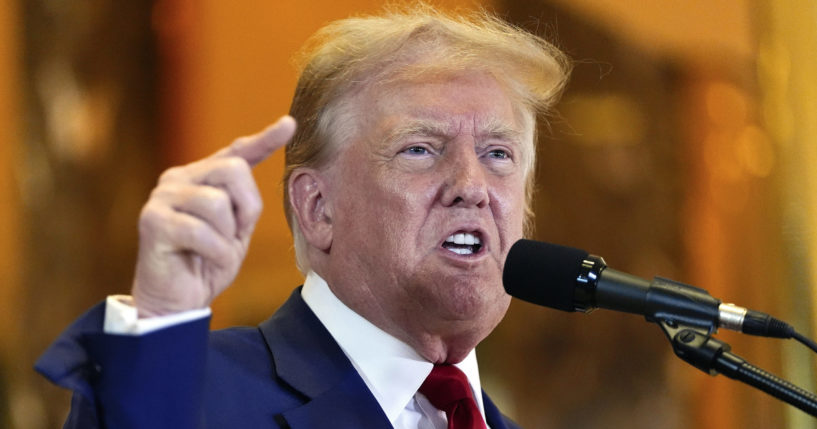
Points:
x=286 y=373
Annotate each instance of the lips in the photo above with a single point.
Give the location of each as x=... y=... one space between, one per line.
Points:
x=464 y=243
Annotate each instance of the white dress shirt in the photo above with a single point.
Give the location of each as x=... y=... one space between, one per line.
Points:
x=391 y=369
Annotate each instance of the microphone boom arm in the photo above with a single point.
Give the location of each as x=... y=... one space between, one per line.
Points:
x=712 y=356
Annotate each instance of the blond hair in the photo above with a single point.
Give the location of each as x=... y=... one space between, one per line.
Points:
x=410 y=43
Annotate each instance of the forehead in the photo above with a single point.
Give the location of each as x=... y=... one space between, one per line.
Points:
x=444 y=104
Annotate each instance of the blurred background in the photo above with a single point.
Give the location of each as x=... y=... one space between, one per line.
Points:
x=685 y=146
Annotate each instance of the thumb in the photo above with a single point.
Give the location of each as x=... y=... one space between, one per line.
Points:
x=258 y=147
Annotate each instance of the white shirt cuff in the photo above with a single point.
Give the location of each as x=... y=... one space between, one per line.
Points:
x=122 y=317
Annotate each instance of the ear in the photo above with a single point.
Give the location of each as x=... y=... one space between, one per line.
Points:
x=307 y=195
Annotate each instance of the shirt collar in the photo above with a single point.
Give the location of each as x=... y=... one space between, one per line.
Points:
x=391 y=369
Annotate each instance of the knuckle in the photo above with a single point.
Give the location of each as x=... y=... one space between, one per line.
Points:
x=242 y=141
x=215 y=199
x=164 y=190
x=236 y=165
x=195 y=233
x=190 y=235
x=150 y=218
x=255 y=207
x=171 y=174
x=156 y=193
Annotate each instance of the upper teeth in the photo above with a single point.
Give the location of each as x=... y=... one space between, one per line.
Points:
x=463 y=238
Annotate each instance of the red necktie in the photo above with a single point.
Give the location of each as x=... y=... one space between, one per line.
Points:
x=447 y=389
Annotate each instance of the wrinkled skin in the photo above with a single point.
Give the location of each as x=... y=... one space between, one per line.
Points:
x=429 y=160
x=196 y=226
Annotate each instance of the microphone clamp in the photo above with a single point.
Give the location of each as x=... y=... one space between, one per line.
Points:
x=585 y=292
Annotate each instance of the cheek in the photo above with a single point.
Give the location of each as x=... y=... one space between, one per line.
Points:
x=380 y=209
x=509 y=203
x=405 y=196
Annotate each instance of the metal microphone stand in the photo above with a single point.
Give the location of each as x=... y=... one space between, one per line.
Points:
x=698 y=348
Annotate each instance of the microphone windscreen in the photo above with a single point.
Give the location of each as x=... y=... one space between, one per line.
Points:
x=543 y=273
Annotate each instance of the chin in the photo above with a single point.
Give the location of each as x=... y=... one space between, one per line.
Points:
x=486 y=301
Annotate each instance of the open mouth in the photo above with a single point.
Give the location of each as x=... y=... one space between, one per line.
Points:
x=463 y=243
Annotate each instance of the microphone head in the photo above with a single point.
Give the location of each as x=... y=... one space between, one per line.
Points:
x=543 y=273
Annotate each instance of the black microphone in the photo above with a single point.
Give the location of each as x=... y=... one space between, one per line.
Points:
x=570 y=279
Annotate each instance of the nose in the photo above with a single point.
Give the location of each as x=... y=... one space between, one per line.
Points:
x=465 y=183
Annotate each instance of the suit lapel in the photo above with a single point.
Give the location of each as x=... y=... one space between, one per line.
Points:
x=494 y=417
x=307 y=358
x=492 y=414
x=347 y=404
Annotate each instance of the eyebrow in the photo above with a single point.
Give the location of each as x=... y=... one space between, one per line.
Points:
x=492 y=130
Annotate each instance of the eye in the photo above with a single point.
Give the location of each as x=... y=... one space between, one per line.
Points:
x=499 y=154
x=416 y=150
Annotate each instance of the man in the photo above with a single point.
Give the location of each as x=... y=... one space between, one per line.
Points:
x=408 y=178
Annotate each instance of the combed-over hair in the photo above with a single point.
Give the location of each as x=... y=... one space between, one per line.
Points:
x=410 y=42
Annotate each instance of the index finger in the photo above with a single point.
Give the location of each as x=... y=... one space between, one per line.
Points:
x=258 y=147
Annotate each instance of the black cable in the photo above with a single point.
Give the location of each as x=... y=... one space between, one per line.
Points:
x=757 y=323
x=808 y=342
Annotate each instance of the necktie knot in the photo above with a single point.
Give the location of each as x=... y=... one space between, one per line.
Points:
x=447 y=389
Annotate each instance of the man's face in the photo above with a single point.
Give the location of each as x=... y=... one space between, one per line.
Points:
x=427 y=200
